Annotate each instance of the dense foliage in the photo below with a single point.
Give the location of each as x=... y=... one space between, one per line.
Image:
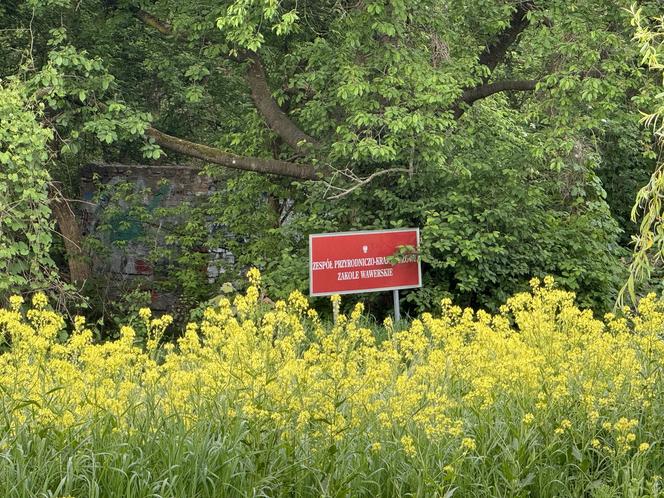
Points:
x=649 y=245
x=490 y=125
x=510 y=131
x=25 y=224
x=540 y=399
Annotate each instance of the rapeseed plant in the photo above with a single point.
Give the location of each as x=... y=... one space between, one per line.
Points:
x=541 y=399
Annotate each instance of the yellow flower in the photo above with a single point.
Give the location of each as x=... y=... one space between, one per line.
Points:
x=254 y=276
x=298 y=301
x=145 y=313
x=357 y=311
x=39 y=300
x=313 y=314
x=15 y=302
x=283 y=367
x=408 y=446
x=468 y=444
x=625 y=425
x=127 y=334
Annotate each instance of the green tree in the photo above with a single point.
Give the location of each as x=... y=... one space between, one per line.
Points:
x=57 y=105
x=476 y=120
x=649 y=242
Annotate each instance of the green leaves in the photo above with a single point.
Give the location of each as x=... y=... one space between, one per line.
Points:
x=151 y=150
x=197 y=72
x=503 y=191
x=25 y=226
x=245 y=23
x=648 y=209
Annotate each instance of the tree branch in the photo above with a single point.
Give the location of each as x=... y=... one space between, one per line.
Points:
x=256 y=78
x=487 y=89
x=362 y=181
x=275 y=118
x=495 y=52
x=218 y=156
x=163 y=27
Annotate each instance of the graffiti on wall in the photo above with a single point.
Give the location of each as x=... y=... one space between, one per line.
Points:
x=113 y=191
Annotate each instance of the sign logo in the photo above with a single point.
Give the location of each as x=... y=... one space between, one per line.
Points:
x=341 y=263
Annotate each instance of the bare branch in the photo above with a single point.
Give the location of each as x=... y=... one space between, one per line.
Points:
x=362 y=181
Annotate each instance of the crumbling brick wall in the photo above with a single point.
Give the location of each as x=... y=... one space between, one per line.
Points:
x=126 y=264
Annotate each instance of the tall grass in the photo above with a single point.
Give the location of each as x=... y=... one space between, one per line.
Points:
x=539 y=400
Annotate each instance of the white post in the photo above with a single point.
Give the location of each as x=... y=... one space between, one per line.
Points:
x=397 y=311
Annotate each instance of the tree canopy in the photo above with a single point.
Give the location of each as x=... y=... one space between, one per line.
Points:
x=486 y=123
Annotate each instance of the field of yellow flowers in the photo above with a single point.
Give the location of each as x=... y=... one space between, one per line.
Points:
x=541 y=399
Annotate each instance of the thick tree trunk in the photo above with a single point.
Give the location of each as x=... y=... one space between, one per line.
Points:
x=70 y=230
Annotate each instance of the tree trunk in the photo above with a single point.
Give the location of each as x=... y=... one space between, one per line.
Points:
x=70 y=230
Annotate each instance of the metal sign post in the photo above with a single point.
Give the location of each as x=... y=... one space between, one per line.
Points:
x=397 y=311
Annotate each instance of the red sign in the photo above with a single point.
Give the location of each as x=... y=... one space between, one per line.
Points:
x=349 y=262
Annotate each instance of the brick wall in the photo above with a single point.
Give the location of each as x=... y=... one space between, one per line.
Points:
x=125 y=263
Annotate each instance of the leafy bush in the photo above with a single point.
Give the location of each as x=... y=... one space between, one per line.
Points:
x=25 y=227
x=541 y=399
